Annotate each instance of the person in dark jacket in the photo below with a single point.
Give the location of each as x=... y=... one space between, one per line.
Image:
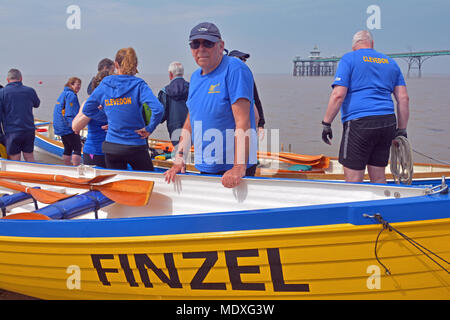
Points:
x=104 y=65
x=16 y=104
x=173 y=97
x=66 y=108
x=261 y=122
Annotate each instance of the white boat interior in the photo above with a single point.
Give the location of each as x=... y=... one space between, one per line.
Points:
x=194 y=194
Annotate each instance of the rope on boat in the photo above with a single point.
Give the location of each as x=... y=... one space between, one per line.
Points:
x=402 y=166
x=414 y=243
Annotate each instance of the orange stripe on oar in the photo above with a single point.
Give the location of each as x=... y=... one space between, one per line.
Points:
x=285 y=160
x=40 y=177
x=293 y=156
x=26 y=216
x=44 y=196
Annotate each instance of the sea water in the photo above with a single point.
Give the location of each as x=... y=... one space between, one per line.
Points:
x=294 y=108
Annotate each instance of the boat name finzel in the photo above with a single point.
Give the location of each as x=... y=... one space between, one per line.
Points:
x=172 y=279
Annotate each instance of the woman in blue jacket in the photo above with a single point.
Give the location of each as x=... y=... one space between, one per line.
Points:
x=96 y=134
x=66 y=108
x=122 y=97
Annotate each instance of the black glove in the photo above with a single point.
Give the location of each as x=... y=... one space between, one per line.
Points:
x=326 y=132
x=401 y=132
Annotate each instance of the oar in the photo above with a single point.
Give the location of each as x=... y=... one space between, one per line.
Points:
x=26 y=216
x=44 y=196
x=292 y=156
x=129 y=192
x=40 y=177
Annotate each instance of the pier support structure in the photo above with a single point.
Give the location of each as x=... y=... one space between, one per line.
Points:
x=315 y=65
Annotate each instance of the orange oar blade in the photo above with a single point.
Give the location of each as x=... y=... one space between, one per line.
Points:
x=130 y=192
x=26 y=216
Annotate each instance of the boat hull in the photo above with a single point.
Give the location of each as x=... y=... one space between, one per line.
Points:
x=266 y=239
x=311 y=262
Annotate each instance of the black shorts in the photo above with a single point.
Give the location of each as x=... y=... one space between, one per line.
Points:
x=367 y=141
x=72 y=143
x=18 y=142
x=94 y=160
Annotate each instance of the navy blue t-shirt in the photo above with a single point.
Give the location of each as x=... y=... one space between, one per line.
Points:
x=17 y=102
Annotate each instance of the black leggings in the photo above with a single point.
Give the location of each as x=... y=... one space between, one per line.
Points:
x=118 y=156
x=139 y=160
x=94 y=160
x=249 y=172
x=72 y=143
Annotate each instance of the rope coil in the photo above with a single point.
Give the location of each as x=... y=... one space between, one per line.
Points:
x=401 y=163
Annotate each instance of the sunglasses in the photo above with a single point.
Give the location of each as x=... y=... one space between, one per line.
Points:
x=195 y=44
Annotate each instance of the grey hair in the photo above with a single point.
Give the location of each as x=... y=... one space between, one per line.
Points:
x=363 y=35
x=14 y=74
x=176 y=68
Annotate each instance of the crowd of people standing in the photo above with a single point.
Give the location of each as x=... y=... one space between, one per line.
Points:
x=121 y=112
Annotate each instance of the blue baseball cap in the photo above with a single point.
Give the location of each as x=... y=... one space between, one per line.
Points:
x=206 y=31
x=239 y=54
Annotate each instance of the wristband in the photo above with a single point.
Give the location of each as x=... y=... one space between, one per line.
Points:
x=326 y=124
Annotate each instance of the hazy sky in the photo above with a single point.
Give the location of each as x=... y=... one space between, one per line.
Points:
x=36 y=39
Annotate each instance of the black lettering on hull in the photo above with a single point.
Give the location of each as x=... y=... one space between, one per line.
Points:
x=143 y=262
x=235 y=271
x=210 y=260
x=276 y=271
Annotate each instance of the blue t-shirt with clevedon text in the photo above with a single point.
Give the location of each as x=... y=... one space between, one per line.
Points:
x=370 y=77
x=122 y=97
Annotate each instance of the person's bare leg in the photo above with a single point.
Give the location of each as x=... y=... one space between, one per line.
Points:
x=377 y=174
x=76 y=160
x=28 y=156
x=67 y=160
x=352 y=175
x=14 y=156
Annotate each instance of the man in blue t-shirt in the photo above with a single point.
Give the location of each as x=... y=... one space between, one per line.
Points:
x=364 y=82
x=221 y=117
x=16 y=105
